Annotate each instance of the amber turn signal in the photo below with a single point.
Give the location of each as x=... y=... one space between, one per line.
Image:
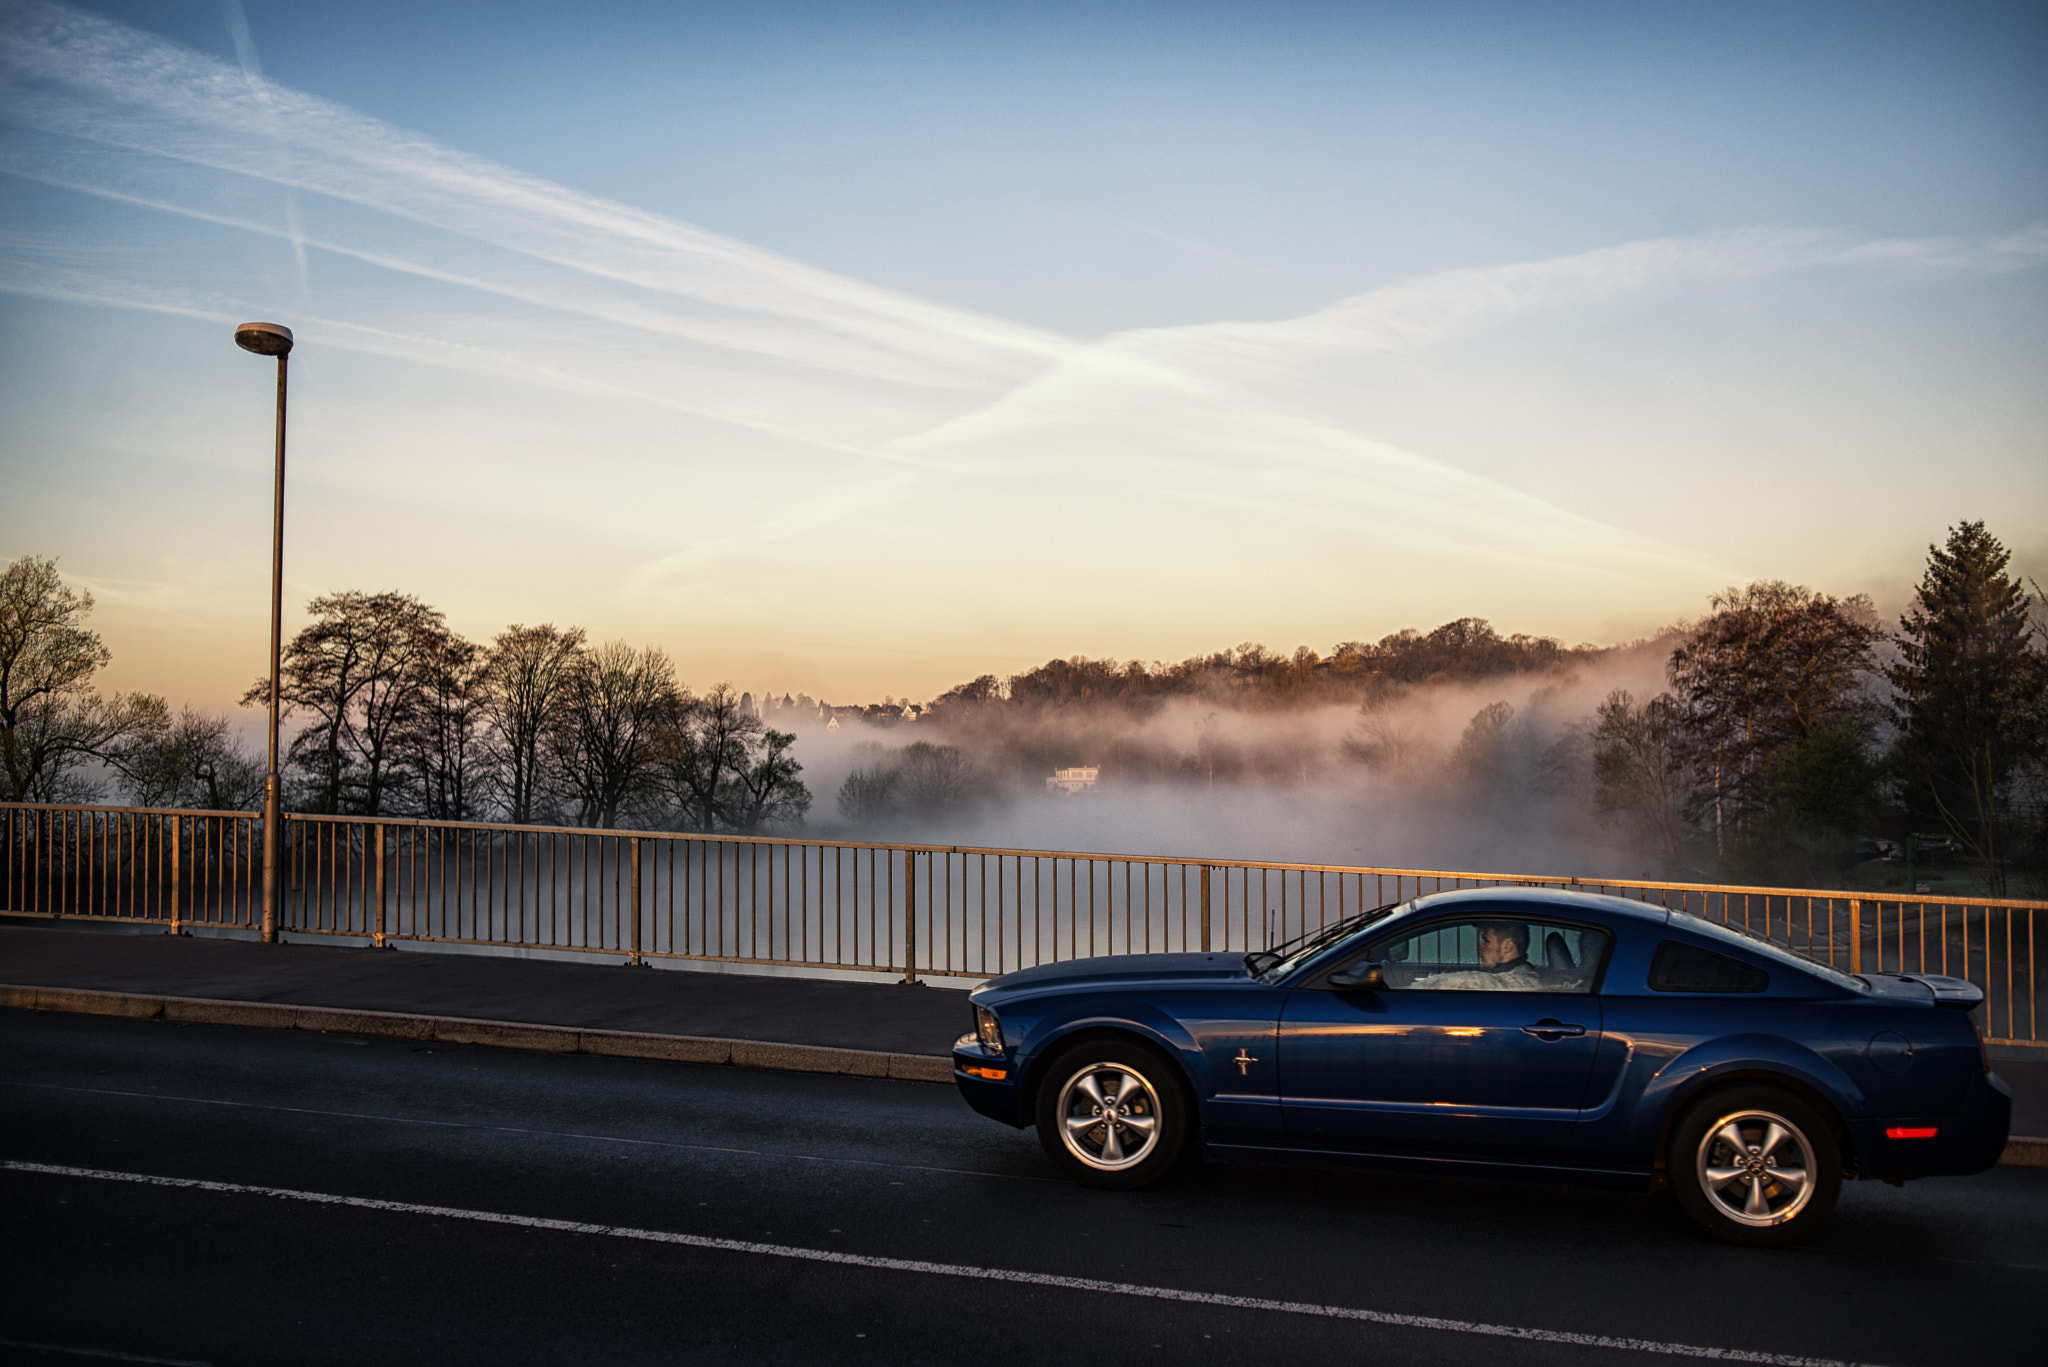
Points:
x=977 y=1070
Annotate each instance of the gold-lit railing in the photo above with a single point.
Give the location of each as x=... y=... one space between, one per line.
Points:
x=905 y=910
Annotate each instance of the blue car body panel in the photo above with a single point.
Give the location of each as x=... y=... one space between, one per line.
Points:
x=1581 y=1084
x=1442 y=1073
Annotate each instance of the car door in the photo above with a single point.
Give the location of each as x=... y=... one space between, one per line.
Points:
x=1452 y=1055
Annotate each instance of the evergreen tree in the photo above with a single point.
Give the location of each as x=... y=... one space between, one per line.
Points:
x=1968 y=694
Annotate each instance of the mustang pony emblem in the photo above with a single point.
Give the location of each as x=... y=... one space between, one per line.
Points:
x=1244 y=1063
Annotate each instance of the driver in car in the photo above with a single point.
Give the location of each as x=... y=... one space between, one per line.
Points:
x=1503 y=964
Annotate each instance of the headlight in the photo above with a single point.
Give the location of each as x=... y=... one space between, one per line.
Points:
x=988 y=1029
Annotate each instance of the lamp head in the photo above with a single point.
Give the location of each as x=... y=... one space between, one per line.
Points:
x=265 y=339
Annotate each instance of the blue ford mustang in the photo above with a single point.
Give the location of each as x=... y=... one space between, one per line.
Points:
x=1508 y=1030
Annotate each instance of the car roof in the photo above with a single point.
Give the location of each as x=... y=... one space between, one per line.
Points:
x=1546 y=899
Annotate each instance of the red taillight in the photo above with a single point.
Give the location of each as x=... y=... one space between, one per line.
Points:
x=1910 y=1132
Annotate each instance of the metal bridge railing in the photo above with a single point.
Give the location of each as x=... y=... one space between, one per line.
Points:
x=905 y=910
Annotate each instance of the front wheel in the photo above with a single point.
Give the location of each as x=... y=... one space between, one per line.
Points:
x=1755 y=1166
x=1111 y=1114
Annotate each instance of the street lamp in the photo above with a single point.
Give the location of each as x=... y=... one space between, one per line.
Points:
x=271 y=339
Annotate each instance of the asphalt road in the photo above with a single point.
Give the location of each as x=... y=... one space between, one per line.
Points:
x=832 y=1184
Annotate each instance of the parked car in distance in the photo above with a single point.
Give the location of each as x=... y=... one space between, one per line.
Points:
x=1508 y=1031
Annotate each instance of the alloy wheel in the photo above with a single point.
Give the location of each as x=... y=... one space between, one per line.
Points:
x=1756 y=1168
x=1109 y=1116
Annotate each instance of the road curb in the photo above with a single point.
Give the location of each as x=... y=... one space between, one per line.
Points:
x=554 y=1039
x=2025 y=1151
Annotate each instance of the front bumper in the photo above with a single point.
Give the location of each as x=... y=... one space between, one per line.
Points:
x=1970 y=1141
x=991 y=1085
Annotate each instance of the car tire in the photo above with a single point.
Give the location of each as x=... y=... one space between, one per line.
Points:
x=1134 y=1098
x=1755 y=1166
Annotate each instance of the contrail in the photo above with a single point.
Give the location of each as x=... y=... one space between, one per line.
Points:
x=431 y=255
x=252 y=70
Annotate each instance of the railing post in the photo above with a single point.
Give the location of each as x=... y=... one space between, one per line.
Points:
x=177 y=851
x=1205 y=908
x=910 y=918
x=1855 y=935
x=380 y=886
x=633 y=959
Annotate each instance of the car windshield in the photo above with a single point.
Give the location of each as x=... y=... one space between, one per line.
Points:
x=1757 y=945
x=1271 y=965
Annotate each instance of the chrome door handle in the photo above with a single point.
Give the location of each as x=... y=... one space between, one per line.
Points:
x=1550 y=1029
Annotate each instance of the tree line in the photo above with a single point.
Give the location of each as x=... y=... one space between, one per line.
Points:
x=395 y=714
x=1792 y=717
x=1791 y=722
x=1252 y=675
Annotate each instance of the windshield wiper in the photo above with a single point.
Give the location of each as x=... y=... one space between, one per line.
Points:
x=1262 y=961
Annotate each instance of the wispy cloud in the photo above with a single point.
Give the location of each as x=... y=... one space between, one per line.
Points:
x=1264 y=362
x=425 y=253
x=97 y=107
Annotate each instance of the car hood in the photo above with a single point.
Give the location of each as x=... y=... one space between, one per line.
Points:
x=1149 y=970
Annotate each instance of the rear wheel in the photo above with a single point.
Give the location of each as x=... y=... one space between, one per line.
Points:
x=1755 y=1166
x=1111 y=1113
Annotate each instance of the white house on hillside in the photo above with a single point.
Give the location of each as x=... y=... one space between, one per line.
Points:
x=1071 y=781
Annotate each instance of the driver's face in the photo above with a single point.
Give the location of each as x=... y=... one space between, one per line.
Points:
x=1495 y=948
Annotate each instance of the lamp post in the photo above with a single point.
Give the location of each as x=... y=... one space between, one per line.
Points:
x=271 y=339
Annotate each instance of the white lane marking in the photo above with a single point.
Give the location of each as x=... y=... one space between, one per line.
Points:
x=107 y=1353
x=1803 y=1252
x=982 y=1274
x=546 y=1134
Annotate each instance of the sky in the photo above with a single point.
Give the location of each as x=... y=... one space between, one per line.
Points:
x=865 y=348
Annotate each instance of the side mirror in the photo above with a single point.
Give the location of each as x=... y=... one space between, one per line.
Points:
x=1369 y=976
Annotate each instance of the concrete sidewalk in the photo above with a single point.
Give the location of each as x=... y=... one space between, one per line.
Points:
x=794 y=1022
x=882 y=1028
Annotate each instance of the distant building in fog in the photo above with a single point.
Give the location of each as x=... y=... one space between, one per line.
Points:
x=1071 y=781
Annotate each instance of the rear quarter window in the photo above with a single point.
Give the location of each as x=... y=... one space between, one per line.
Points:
x=1682 y=967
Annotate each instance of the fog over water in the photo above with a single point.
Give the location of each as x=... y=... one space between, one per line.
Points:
x=1419 y=779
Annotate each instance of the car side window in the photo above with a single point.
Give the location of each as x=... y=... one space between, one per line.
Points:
x=1493 y=954
x=1681 y=967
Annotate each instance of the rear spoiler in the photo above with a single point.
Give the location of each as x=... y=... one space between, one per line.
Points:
x=1959 y=993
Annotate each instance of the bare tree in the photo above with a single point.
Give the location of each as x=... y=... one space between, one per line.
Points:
x=765 y=790
x=1639 y=773
x=443 y=739
x=938 y=777
x=921 y=779
x=525 y=678
x=724 y=769
x=357 y=669
x=52 y=721
x=1382 y=738
x=194 y=762
x=869 y=794
x=616 y=704
x=1481 y=756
